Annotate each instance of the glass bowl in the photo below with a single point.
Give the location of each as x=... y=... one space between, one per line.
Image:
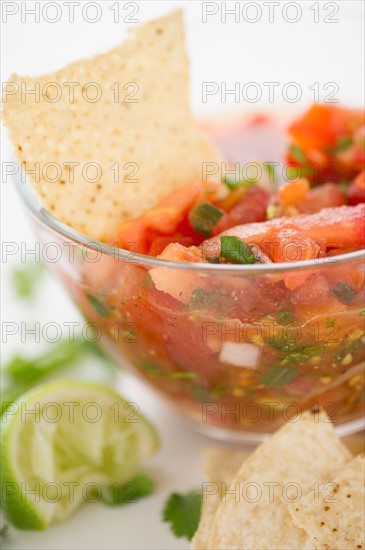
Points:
x=300 y=349
x=305 y=350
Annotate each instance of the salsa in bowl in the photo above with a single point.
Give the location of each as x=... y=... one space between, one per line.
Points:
x=223 y=261
x=240 y=302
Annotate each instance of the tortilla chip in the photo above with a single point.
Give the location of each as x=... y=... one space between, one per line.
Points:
x=219 y=465
x=296 y=456
x=145 y=141
x=355 y=442
x=335 y=517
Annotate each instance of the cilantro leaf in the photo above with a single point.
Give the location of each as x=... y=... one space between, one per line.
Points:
x=302 y=355
x=4 y=532
x=26 y=279
x=131 y=491
x=344 y=292
x=101 y=309
x=200 y=297
x=21 y=373
x=182 y=512
x=236 y=251
x=277 y=377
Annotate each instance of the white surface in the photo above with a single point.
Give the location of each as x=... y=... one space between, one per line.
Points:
x=261 y=52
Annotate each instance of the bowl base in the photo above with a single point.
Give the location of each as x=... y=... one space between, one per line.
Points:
x=255 y=438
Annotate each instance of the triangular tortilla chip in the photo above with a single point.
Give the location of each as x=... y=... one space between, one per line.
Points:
x=335 y=518
x=145 y=141
x=252 y=516
x=219 y=465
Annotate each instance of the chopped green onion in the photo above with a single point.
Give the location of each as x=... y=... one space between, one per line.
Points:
x=147 y=281
x=303 y=355
x=200 y=298
x=270 y=169
x=342 y=143
x=344 y=292
x=284 y=345
x=349 y=348
x=285 y=317
x=233 y=184
x=101 y=309
x=183 y=374
x=152 y=369
x=293 y=172
x=343 y=186
x=204 y=217
x=236 y=251
x=298 y=154
x=277 y=377
x=218 y=392
x=271 y=211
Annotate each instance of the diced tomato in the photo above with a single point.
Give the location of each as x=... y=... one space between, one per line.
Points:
x=251 y=208
x=325 y=196
x=162 y=220
x=356 y=191
x=288 y=244
x=359 y=181
x=294 y=192
x=316 y=291
x=159 y=244
x=341 y=275
x=165 y=278
x=180 y=343
x=327 y=142
x=258 y=296
x=342 y=227
x=297 y=197
x=322 y=125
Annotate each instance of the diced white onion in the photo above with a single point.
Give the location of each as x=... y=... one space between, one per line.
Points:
x=240 y=355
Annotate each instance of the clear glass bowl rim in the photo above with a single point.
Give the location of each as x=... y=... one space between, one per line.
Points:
x=34 y=206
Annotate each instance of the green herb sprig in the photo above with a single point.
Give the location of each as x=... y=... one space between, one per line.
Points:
x=182 y=512
x=236 y=251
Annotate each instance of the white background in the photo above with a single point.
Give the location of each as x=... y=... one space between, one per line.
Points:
x=304 y=52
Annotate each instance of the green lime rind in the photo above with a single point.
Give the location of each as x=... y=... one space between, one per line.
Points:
x=35 y=450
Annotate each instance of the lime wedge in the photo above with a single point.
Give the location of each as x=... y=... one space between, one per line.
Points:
x=61 y=443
